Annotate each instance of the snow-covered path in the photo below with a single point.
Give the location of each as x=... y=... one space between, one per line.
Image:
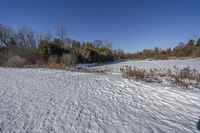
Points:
x=38 y=100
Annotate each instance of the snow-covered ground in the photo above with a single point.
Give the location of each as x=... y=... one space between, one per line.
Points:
x=159 y=64
x=39 y=100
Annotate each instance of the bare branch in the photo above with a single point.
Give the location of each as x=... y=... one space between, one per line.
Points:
x=62 y=32
x=6 y=33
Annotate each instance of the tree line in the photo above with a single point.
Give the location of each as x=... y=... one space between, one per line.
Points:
x=26 y=47
x=189 y=49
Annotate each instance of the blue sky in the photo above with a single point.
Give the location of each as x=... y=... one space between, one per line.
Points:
x=131 y=25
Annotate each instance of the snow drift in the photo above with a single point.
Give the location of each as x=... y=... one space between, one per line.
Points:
x=38 y=100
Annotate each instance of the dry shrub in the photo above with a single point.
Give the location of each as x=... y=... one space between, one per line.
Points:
x=177 y=81
x=133 y=72
x=160 y=57
x=53 y=59
x=40 y=62
x=69 y=59
x=52 y=63
x=196 y=53
x=184 y=77
x=198 y=79
x=3 y=58
x=185 y=73
x=24 y=52
x=16 y=61
x=86 y=70
x=55 y=66
x=140 y=74
x=21 y=51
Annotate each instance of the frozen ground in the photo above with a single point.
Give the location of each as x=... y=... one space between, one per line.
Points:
x=159 y=64
x=39 y=100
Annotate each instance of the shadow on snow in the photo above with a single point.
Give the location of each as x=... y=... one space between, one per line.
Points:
x=198 y=124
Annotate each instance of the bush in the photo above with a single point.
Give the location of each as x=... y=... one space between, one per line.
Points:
x=177 y=81
x=141 y=74
x=23 y=52
x=198 y=79
x=3 y=58
x=69 y=59
x=53 y=59
x=16 y=61
x=196 y=53
x=184 y=77
x=134 y=72
x=44 y=49
x=105 y=54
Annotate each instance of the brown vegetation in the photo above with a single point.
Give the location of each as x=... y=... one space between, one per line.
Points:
x=16 y=62
x=184 y=77
x=42 y=50
x=182 y=50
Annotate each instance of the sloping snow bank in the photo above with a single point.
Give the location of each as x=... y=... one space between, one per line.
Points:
x=38 y=100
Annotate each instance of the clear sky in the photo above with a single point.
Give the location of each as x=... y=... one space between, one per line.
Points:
x=131 y=25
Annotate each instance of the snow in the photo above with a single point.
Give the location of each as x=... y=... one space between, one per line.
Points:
x=44 y=100
x=159 y=64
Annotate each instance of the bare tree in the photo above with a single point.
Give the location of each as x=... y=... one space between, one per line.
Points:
x=48 y=36
x=119 y=53
x=6 y=33
x=108 y=44
x=98 y=43
x=62 y=32
x=26 y=37
x=43 y=36
x=105 y=43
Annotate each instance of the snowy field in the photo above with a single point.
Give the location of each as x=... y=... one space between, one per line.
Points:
x=43 y=101
x=159 y=64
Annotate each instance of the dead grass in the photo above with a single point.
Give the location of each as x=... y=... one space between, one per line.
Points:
x=69 y=59
x=184 y=78
x=86 y=70
x=16 y=62
x=140 y=74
